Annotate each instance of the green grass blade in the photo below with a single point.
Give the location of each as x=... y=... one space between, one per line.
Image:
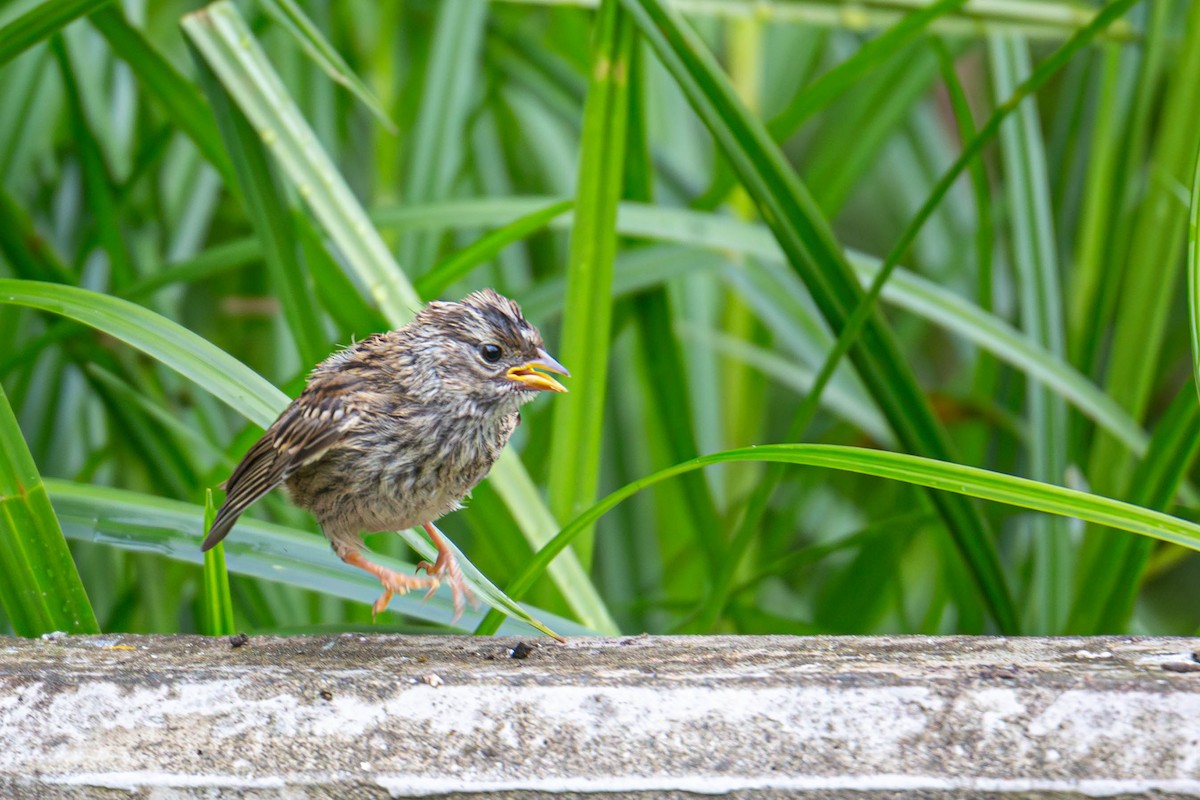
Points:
x=587 y=313
x=1036 y=266
x=833 y=83
x=179 y=97
x=902 y=288
x=459 y=265
x=436 y=150
x=288 y=14
x=228 y=379
x=1035 y=19
x=39 y=23
x=1153 y=259
x=41 y=591
x=272 y=219
x=805 y=237
x=1100 y=199
x=216 y=618
x=1108 y=590
x=939 y=475
x=1193 y=273
x=228 y=46
x=98 y=185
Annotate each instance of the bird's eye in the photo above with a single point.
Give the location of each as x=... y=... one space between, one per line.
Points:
x=491 y=353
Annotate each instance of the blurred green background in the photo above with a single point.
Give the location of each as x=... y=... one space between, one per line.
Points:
x=689 y=198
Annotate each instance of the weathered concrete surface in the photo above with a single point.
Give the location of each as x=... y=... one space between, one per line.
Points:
x=373 y=716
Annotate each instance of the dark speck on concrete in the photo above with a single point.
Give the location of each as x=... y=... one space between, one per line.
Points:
x=238 y=639
x=522 y=650
x=1181 y=666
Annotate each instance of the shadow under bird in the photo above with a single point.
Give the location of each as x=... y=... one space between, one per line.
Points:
x=393 y=431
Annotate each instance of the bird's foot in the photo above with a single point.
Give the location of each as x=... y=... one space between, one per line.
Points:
x=446 y=569
x=394 y=583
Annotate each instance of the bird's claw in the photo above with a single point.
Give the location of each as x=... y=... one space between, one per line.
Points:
x=446 y=568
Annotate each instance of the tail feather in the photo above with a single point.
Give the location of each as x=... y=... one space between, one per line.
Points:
x=258 y=473
x=221 y=527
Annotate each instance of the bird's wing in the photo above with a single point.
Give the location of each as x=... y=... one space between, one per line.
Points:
x=301 y=434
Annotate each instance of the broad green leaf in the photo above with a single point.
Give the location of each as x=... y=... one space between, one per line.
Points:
x=41 y=591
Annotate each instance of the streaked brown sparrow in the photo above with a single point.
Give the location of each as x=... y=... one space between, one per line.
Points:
x=393 y=431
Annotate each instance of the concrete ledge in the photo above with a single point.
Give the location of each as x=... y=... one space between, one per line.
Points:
x=378 y=716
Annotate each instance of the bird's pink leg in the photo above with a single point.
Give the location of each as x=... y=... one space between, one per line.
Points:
x=393 y=582
x=446 y=568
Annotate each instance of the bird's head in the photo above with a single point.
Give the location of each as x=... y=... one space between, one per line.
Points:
x=485 y=349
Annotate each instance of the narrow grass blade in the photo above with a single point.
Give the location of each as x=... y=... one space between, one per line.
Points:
x=268 y=209
x=1153 y=259
x=1105 y=594
x=179 y=97
x=288 y=14
x=334 y=288
x=459 y=265
x=208 y=366
x=1101 y=199
x=1035 y=19
x=837 y=80
x=435 y=148
x=216 y=618
x=1036 y=266
x=805 y=236
x=939 y=475
x=587 y=313
x=902 y=288
x=26 y=250
x=40 y=22
x=1193 y=273
x=98 y=185
x=41 y=591
x=230 y=49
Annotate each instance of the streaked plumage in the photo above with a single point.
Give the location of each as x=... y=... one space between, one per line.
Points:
x=393 y=431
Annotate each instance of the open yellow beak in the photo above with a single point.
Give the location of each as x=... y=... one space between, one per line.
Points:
x=528 y=374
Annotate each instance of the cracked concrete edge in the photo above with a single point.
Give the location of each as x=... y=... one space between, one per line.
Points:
x=393 y=716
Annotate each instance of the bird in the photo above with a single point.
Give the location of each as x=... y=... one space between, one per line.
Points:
x=393 y=431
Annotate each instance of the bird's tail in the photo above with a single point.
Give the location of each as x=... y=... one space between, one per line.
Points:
x=257 y=474
x=222 y=525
